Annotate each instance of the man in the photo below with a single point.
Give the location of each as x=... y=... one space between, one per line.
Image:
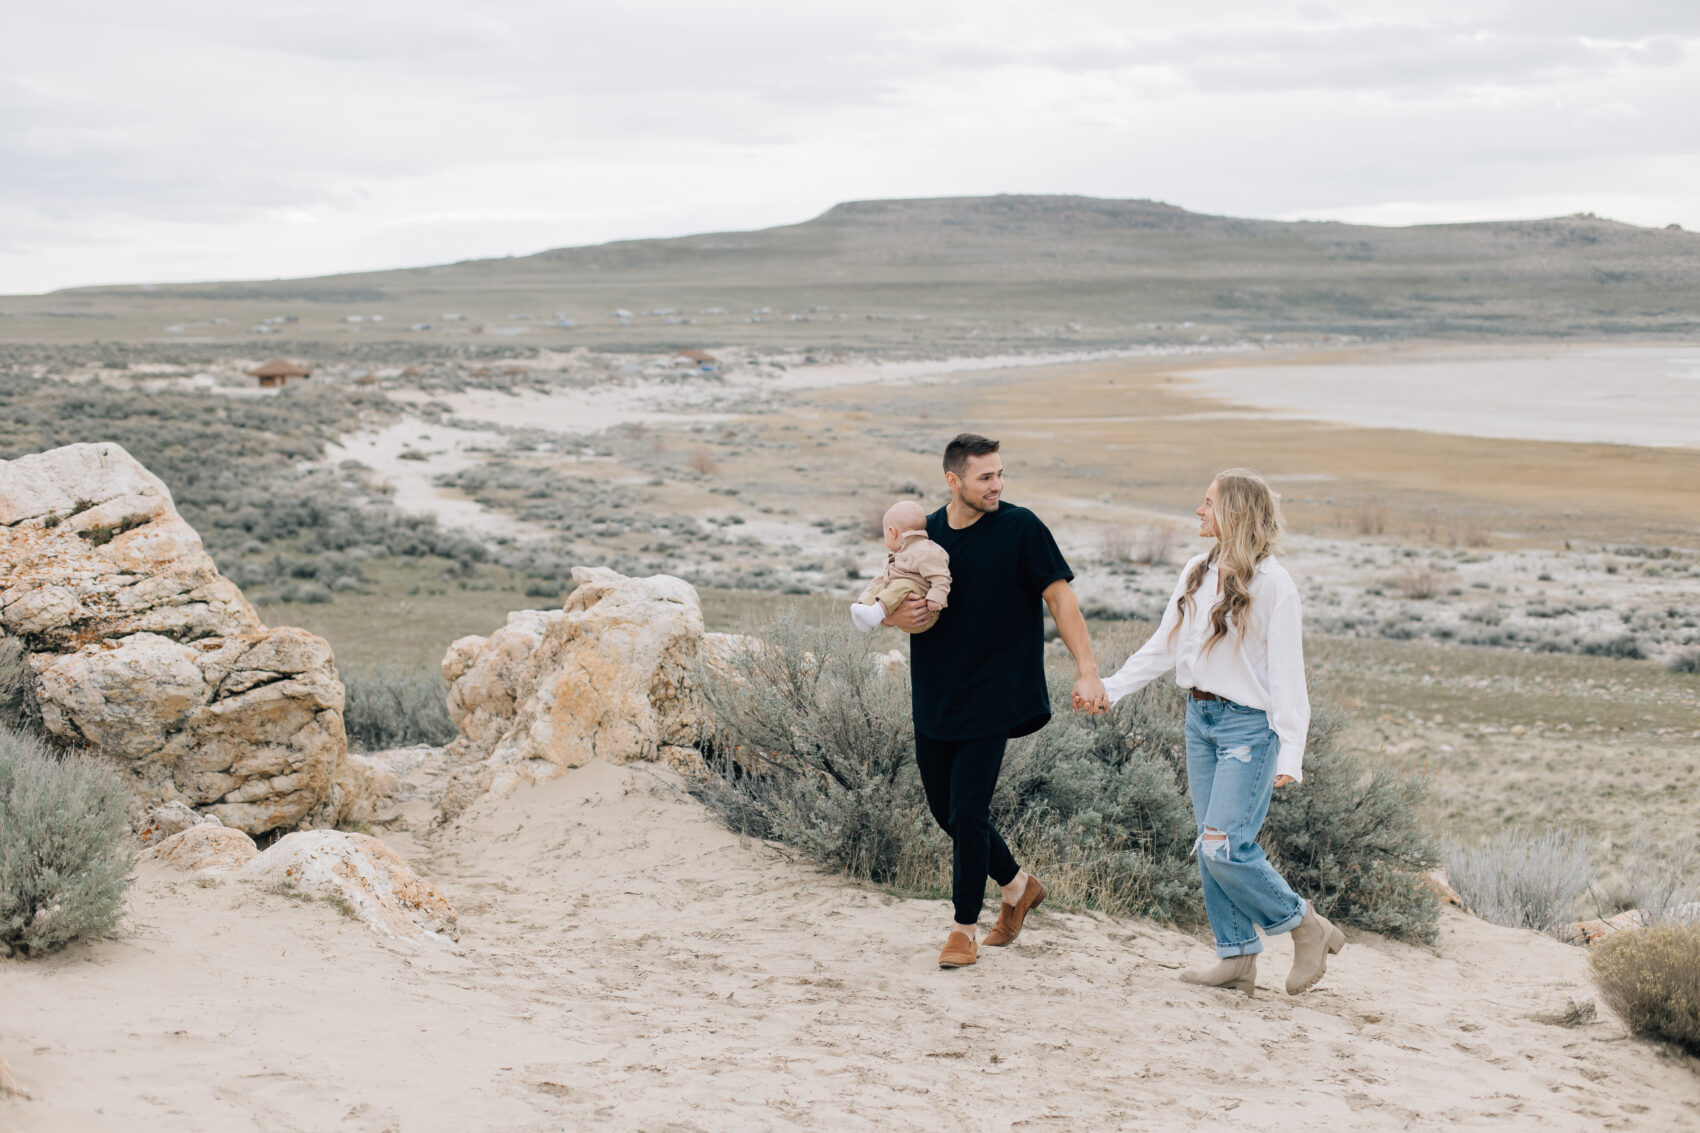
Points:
x=978 y=677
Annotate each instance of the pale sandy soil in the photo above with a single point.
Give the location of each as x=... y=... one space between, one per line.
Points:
x=625 y=963
x=1629 y=395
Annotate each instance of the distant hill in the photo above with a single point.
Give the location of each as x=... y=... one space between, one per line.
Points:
x=979 y=272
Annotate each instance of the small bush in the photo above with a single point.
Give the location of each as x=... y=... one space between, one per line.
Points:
x=387 y=707
x=812 y=745
x=1661 y=885
x=1348 y=839
x=63 y=858
x=1651 y=978
x=1521 y=880
x=1624 y=646
x=16 y=695
x=1688 y=662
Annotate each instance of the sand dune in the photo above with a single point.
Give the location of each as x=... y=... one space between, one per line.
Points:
x=625 y=963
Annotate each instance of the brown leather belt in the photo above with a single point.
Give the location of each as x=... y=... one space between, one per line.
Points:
x=1200 y=694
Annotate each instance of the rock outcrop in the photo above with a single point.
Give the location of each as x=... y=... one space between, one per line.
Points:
x=204 y=846
x=362 y=875
x=143 y=652
x=609 y=676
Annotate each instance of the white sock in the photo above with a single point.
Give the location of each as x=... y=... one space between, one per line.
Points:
x=866 y=617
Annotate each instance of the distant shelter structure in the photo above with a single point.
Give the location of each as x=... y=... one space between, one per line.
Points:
x=275 y=373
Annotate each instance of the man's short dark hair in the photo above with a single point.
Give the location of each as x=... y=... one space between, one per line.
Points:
x=964 y=445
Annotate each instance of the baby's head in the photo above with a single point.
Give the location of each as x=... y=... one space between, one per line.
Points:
x=901 y=518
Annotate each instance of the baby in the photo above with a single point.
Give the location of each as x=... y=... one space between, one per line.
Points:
x=916 y=565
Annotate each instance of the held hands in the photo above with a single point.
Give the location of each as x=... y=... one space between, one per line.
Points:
x=911 y=615
x=1090 y=697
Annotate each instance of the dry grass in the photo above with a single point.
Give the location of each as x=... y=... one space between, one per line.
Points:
x=1418 y=585
x=702 y=462
x=1149 y=544
x=1651 y=978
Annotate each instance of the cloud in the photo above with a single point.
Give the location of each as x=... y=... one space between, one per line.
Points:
x=184 y=139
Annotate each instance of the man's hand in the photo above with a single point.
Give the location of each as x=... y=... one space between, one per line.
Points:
x=911 y=615
x=1283 y=780
x=1089 y=696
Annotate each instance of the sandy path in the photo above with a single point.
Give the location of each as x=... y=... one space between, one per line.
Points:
x=628 y=964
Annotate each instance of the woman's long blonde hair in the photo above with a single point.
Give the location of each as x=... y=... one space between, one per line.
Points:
x=1248 y=530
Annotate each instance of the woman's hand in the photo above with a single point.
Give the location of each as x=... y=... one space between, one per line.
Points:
x=1283 y=780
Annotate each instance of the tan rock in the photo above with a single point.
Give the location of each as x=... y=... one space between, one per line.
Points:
x=172 y=818
x=608 y=677
x=91 y=548
x=204 y=846
x=486 y=674
x=142 y=652
x=1592 y=932
x=368 y=878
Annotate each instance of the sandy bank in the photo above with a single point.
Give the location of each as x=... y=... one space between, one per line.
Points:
x=625 y=963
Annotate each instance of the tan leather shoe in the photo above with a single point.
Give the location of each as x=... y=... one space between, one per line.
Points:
x=1314 y=940
x=1010 y=917
x=1237 y=972
x=959 y=951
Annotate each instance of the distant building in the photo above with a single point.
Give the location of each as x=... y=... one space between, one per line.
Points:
x=275 y=373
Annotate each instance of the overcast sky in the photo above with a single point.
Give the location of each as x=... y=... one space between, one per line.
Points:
x=184 y=140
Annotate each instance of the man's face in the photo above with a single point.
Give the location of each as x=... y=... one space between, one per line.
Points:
x=981 y=483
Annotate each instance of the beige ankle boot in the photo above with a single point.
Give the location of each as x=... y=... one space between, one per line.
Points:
x=1237 y=972
x=1314 y=940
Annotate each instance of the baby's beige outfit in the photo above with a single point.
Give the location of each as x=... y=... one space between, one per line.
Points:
x=921 y=567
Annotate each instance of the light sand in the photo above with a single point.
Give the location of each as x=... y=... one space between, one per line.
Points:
x=626 y=963
x=1628 y=395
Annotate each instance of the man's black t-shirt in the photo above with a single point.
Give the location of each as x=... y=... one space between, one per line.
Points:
x=980 y=670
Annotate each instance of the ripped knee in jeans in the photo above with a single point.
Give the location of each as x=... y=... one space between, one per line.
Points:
x=1241 y=753
x=1214 y=843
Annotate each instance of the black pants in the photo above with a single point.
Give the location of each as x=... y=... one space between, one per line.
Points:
x=959 y=777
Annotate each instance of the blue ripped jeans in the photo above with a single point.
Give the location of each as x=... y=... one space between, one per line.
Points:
x=1230 y=770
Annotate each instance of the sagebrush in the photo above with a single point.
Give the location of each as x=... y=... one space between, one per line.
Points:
x=1651 y=978
x=64 y=861
x=1522 y=880
x=390 y=706
x=813 y=746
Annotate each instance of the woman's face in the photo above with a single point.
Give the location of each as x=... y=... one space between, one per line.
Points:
x=1207 y=514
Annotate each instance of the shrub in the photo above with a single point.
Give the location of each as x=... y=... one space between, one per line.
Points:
x=812 y=746
x=1624 y=646
x=1347 y=838
x=1521 y=880
x=63 y=858
x=1661 y=886
x=1651 y=978
x=388 y=706
x=1688 y=662
x=16 y=695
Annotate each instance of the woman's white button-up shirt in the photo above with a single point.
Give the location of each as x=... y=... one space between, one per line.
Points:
x=1265 y=669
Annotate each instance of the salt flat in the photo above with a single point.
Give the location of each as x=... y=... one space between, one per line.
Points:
x=1628 y=395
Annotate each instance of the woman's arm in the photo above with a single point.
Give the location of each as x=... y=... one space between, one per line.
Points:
x=1154 y=658
x=1289 y=699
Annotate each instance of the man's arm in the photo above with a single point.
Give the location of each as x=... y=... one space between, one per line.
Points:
x=1071 y=627
x=911 y=614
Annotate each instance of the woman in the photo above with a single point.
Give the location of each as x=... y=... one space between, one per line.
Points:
x=1232 y=634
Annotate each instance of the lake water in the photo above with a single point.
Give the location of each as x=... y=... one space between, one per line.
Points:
x=1634 y=395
